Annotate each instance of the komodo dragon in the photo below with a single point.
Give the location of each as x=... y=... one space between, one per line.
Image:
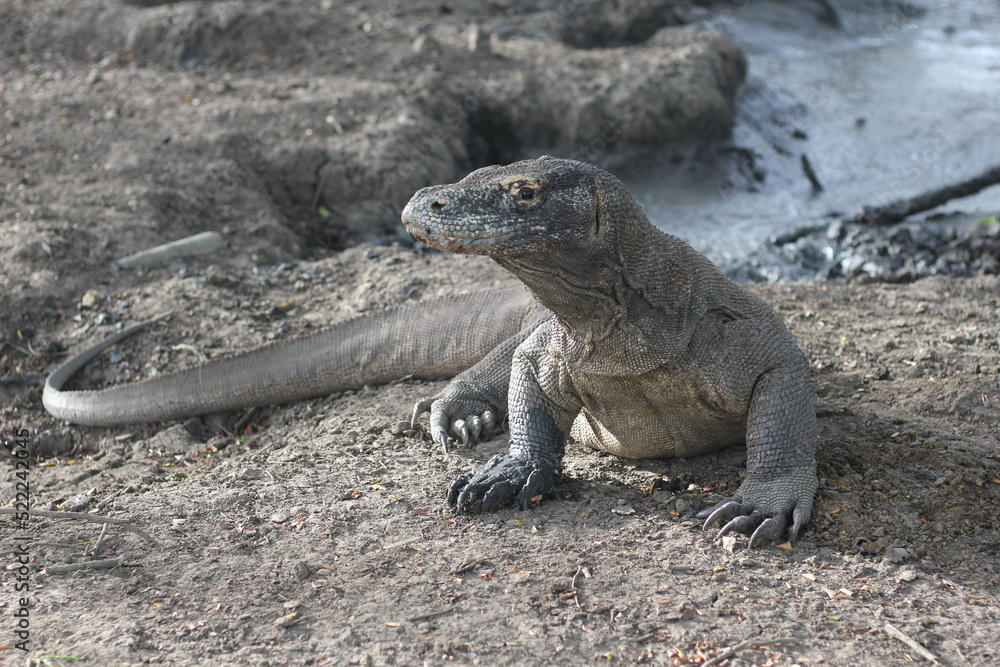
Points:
x=643 y=349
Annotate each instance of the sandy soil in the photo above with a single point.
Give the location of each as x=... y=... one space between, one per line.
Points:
x=318 y=533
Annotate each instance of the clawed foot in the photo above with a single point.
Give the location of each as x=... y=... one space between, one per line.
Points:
x=467 y=420
x=764 y=507
x=499 y=482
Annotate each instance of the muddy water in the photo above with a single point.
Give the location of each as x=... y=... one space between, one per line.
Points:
x=886 y=106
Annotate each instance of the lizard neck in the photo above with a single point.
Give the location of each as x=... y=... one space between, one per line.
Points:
x=606 y=303
x=582 y=294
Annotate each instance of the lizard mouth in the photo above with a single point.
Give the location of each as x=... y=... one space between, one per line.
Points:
x=464 y=238
x=503 y=242
x=480 y=245
x=426 y=220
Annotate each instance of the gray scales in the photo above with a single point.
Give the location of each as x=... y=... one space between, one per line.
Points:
x=640 y=347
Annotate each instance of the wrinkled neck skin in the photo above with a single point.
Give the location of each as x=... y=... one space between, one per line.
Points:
x=580 y=290
x=614 y=295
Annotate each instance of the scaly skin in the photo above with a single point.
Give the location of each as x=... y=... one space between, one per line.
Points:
x=431 y=339
x=651 y=351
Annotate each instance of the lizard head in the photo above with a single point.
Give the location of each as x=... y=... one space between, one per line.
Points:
x=569 y=231
x=513 y=210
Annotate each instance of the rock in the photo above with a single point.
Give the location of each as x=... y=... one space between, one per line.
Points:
x=896 y=554
x=426 y=46
x=479 y=40
x=604 y=23
x=90 y=299
x=77 y=503
x=288 y=620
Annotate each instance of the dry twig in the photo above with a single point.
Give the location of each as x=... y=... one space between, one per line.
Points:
x=912 y=643
x=899 y=210
x=745 y=644
x=106 y=564
x=96 y=518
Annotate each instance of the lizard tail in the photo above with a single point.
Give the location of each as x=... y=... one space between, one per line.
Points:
x=428 y=340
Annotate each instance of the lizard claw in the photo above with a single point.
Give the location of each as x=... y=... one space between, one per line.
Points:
x=419 y=408
x=438 y=433
x=468 y=421
x=442 y=439
x=460 y=430
x=499 y=482
x=764 y=507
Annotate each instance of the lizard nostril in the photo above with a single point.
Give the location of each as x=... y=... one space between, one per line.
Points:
x=439 y=204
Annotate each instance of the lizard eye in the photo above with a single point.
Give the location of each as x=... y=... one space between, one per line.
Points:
x=524 y=193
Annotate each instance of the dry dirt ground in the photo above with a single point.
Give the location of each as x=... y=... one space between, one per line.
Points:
x=318 y=533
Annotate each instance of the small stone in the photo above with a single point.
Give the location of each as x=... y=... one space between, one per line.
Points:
x=77 y=503
x=729 y=543
x=425 y=45
x=896 y=554
x=302 y=570
x=682 y=505
x=288 y=620
x=479 y=40
x=907 y=575
x=279 y=517
x=90 y=299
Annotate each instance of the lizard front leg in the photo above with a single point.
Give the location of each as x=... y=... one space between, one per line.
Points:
x=470 y=406
x=541 y=414
x=781 y=481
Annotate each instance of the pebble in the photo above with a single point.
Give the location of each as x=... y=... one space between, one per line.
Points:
x=288 y=620
x=302 y=570
x=279 y=517
x=90 y=298
x=896 y=554
x=77 y=503
x=479 y=40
